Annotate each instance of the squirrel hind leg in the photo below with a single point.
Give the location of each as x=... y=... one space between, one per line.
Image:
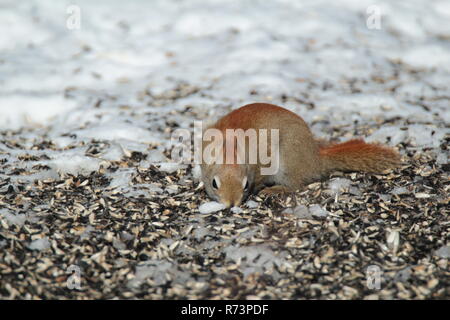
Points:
x=278 y=192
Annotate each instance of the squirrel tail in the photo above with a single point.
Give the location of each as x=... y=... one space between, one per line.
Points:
x=356 y=155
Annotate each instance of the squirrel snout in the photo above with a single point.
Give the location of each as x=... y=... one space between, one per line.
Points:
x=232 y=202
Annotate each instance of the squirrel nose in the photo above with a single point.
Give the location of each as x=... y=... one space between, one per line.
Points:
x=237 y=201
x=231 y=203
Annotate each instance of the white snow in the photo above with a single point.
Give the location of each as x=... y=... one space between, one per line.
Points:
x=118 y=131
x=442 y=158
x=196 y=172
x=114 y=153
x=74 y=163
x=87 y=233
x=17 y=219
x=39 y=244
x=119 y=245
x=210 y=207
x=51 y=75
x=121 y=178
x=337 y=185
x=236 y=210
x=170 y=167
x=394 y=133
x=251 y=204
x=399 y=190
x=420 y=57
x=301 y=211
x=416 y=134
x=156 y=270
x=253 y=259
x=17 y=110
x=200 y=233
x=426 y=136
x=304 y=212
x=156 y=156
x=62 y=142
x=443 y=252
x=160 y=272
x=318 y=211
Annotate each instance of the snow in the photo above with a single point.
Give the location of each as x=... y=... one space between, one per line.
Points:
x=443 y=252
x=156 y=156
x=418 y=135
x=114 y=153
x=18 y=110
x=385 y=197
x=317 y=211
x=426 y=136
x=120 y=51
x=121 y=178
x=87 y=233
x=301 y=211
x=337 y=185
x=236 y=210
x=39 y=244
x=73 y=163
x=200 y=233
x=254 y=259
x=17 y=219
x=160 y=272
x=156 y=270
x=399 y=190
x=117 y=131
x=390 y=134
x=304 y=212
x=442 y=158
x=170 y=167
x=251 y=204
x=119 y=245
x=404 y=274
x=210 y=207
x=419 y=57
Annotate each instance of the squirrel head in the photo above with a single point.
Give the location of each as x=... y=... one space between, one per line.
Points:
x=228 y=184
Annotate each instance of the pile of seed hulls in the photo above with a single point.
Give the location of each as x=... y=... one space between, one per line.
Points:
x=353 y=236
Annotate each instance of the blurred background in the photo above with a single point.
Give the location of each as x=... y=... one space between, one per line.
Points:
x=359 y=57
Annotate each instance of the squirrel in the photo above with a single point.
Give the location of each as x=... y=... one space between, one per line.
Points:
x=302 y=158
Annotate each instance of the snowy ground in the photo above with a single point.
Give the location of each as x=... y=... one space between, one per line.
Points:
x=94 y=107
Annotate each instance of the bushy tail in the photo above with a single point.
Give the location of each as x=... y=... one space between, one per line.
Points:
x=356 y=155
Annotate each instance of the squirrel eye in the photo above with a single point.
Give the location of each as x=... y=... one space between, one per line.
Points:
x=245 y=183
x=215 y=183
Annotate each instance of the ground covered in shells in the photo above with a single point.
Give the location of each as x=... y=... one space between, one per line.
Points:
x=316 y=243
x=91 y=208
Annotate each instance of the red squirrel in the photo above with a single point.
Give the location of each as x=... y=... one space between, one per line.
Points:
x=302 y=159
